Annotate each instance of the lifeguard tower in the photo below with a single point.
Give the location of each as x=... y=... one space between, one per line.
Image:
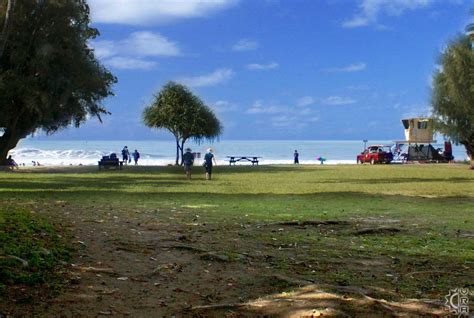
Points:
x=418 y=139
x=418 y=130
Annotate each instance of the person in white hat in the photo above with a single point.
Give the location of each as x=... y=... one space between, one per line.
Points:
x=208 y=159
x=188 y=160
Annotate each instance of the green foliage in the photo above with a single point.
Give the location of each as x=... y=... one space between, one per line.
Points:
x=185 y=115
x=27 y=237
x=453 y=94
x=49 y=76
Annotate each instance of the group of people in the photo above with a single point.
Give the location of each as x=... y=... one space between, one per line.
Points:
x=127 y=158
x=188 y=161
x=12 y=164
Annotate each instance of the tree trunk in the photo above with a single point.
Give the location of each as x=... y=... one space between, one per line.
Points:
x=182 y=151
x=470 y=151
x=6 y=26
x=8 y=141
x=177 y=151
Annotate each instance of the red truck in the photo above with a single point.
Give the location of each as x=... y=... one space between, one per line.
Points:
x=375 y=154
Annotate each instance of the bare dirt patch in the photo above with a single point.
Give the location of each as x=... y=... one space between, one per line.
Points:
x=149 y=264
x=378 y=230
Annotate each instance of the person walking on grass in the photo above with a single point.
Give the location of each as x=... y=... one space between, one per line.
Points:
x=136 y=156
x=188 y=161
x=208 y=159
x=296 y=156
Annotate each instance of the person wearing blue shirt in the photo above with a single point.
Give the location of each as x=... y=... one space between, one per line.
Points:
x=208 y=159
x=188 y=161
x=126 y=155
x=136 y=156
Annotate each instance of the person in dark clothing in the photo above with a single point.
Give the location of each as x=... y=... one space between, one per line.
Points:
x=11 y=163
x=448 y=151
x=126 y=155
x=136 y=156
x=208 y=159
x=296 y=156
x=188 y=161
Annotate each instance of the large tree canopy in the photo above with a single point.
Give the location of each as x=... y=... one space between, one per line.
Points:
x=181 y=112
x=49 y=76
x=453 y=94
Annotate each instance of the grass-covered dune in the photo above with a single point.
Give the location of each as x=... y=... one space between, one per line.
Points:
x=400 y=231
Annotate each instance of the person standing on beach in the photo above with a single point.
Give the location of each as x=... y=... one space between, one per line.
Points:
x=188 y=161
x=125 y=155
x=296 y=156
x=11 y=163
x=136 y=156
x=208 y=159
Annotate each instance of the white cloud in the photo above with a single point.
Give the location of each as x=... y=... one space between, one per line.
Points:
x=305 y=111
x=129 y=53
x=150 y=44
x=263 y=67
x=374 y=123
x=129 y=63
x=245 y=45
x=357 y=67
x=288 y=120
x=217 y=77
x=338 y=100
x=140 y=44
x=223 y=106
x=305 y=101
x=358 y=87
x=416 y=110
x=369 y=10
x=152 y=12
x=103 y=49
x=258 y=107
x=283 y=121
x=313 y=119
x=280 y=116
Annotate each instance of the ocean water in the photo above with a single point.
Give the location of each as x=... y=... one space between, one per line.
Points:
x=82 y=152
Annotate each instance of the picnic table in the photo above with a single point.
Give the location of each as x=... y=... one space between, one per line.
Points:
x=252 y=159
x=107 y=162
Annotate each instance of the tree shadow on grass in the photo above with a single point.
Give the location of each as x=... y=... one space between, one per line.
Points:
x=400 y=180
x=114 y=186
x=172 y=169
x=103 y=185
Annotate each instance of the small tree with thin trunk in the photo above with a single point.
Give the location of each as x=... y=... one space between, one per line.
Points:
x=182 y=113
x=453 y=94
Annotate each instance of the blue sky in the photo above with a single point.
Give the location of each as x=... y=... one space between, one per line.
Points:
x=274 y=69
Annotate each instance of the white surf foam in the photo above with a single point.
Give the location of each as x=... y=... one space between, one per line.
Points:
x=77 y=157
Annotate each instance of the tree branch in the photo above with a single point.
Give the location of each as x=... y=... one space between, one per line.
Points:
x=6 y=26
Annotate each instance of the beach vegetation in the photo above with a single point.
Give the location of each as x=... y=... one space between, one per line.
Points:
x=50 y=77
x=453 y=94
x=184 y=114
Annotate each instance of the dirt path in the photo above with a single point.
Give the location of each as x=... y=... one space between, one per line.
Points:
x=136 y=265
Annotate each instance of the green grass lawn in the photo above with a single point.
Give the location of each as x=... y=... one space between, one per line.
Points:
x=427 y=209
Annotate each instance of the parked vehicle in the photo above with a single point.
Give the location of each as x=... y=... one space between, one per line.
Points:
x=375 y=154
